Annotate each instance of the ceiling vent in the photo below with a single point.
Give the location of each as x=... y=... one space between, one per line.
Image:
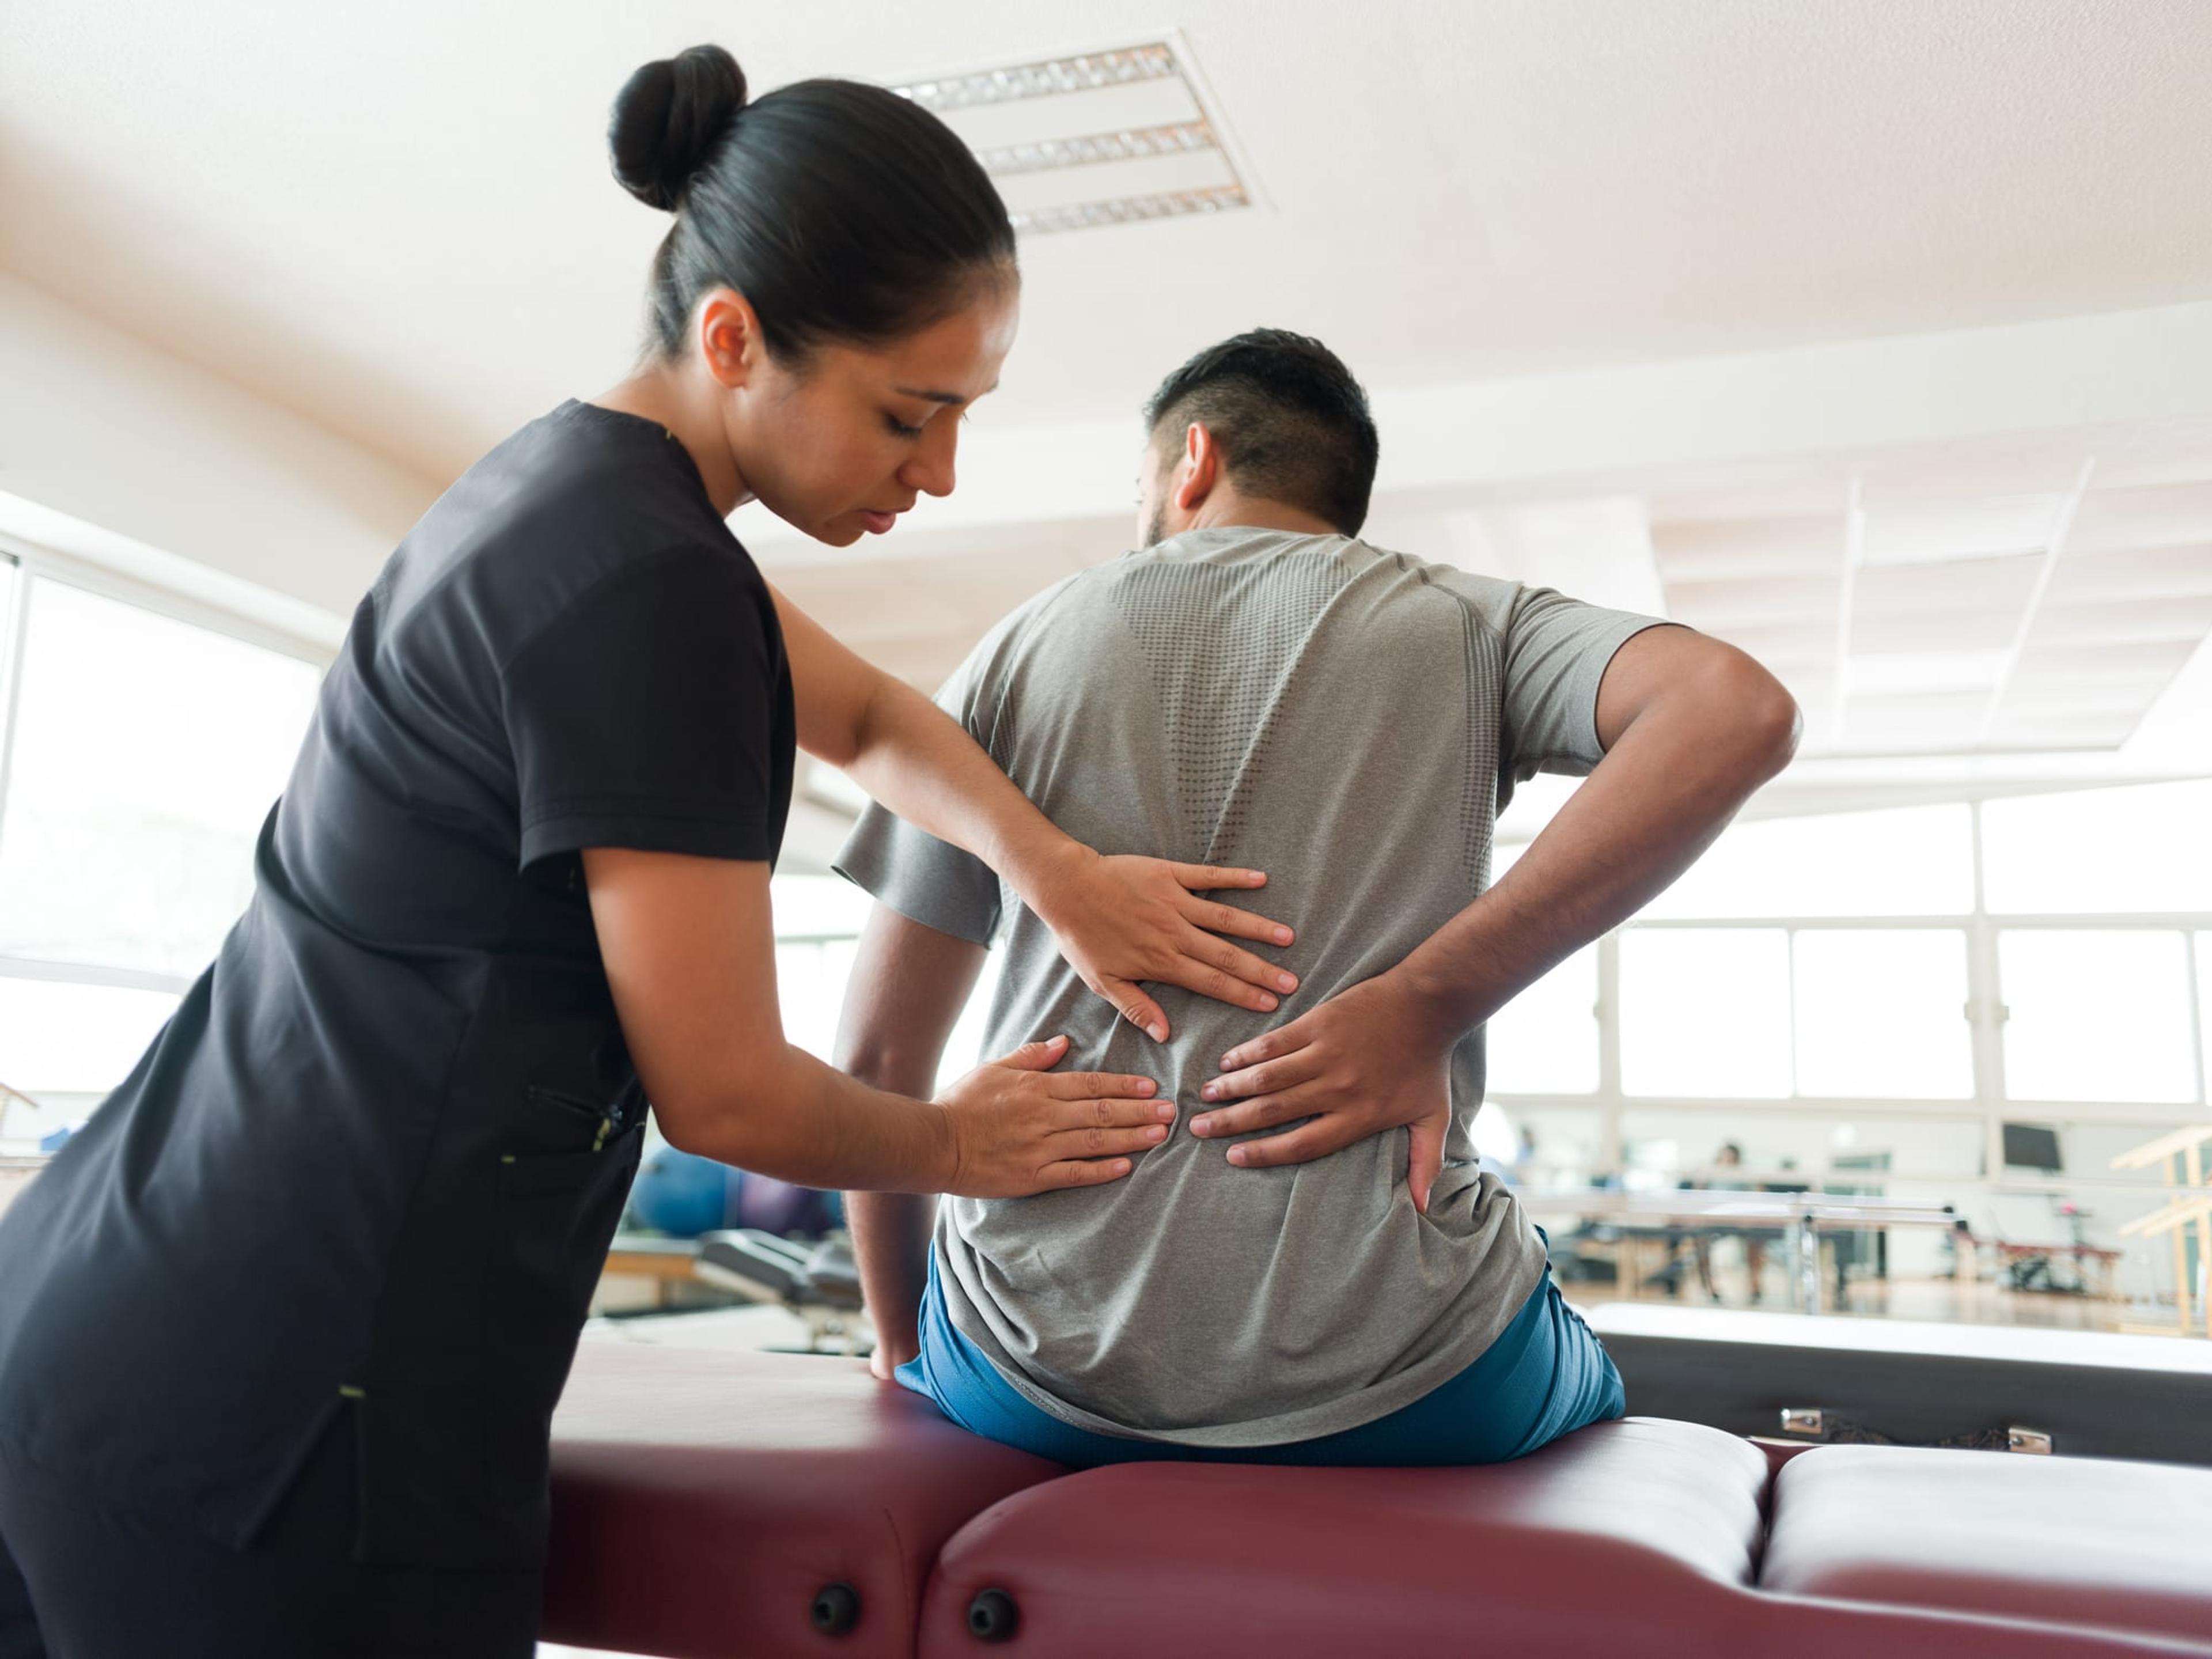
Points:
x=1100 y=138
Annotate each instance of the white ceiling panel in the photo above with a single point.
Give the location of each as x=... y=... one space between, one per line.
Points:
x=1982 y=472
x=1882 y=632
x=1937 y=722
x=2170 y=452
x=1933 y=531
x=2156 y=573
x=1994 y=586
x=2152 y=664
x=1771 y=490
x=2120 y=621
x=2059 y=732
x=1690 y=550
x=1724 y=606
x=2119 y=519
x=1914 y=673
x=1783 y=648
x=2024 y=704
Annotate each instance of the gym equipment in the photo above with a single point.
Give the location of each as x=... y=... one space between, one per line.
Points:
x=820 y=1283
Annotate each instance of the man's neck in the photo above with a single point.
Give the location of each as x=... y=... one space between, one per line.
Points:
x=1225 y=510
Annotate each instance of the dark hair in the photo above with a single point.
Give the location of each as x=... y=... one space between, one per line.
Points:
x=840 y=211
x=1293 y=423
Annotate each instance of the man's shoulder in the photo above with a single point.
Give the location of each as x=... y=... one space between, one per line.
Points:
x=1491 y=597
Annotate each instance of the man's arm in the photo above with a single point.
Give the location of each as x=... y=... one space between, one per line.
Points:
x=907 y=987
x=1690 y=727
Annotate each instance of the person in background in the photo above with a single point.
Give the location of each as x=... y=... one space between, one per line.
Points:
x=1729 y=1160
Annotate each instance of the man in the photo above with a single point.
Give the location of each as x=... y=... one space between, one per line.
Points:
x=1309 y=1267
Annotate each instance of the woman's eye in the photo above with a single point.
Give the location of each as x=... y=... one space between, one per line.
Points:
x=899 y=428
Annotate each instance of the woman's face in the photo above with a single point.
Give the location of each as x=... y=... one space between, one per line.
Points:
x=841 y=444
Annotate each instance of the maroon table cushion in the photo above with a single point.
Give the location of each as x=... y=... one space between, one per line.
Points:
x=2067 y=1541
x=1632 y=1537
x=702 y=1501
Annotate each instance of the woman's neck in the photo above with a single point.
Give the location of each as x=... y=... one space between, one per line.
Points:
x=665 y=394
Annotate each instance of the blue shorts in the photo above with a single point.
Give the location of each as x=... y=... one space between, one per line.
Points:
x=1545 y=1375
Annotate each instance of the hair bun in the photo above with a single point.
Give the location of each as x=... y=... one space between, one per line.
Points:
x=668 y=118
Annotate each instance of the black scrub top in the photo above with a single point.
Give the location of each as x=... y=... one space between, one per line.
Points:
x=370 y=1167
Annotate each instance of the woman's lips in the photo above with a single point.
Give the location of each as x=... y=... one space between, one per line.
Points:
x=877 y=522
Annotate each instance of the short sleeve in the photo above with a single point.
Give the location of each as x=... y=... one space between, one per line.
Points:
x=648 y=714
x=923 y=879
x=1557 y=650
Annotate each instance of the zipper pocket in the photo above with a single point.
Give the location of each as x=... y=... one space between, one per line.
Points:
x=608 y=1116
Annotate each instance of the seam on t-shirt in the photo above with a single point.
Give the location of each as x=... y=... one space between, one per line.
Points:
x=1475 y=847
x=1003 y=710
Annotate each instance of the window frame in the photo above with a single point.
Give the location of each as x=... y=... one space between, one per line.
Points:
x=32 y=564
x=1990 y=1106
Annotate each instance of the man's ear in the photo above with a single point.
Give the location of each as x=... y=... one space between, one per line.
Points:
x=1199 y=470
x=727 y=333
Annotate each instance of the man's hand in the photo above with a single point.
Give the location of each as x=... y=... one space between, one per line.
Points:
x=1015 y=1129
x=1120 y=920
x=1371 y=1058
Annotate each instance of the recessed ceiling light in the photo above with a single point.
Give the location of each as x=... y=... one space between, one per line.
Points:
x=1098 y=138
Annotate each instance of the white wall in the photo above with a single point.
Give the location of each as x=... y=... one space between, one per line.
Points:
x=113 y=450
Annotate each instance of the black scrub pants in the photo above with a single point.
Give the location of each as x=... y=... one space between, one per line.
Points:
x=77 y=1582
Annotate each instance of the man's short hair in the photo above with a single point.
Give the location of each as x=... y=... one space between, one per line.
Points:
x=1293 y=423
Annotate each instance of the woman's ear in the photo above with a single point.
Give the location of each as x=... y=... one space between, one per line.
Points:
x=727 y=332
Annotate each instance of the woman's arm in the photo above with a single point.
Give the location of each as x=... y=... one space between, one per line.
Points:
x=690 y=956
x=1119 y=920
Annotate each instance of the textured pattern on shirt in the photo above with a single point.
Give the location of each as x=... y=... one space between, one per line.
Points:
x=1347 y=720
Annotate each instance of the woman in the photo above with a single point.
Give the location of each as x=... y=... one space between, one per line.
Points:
x=282 y=1330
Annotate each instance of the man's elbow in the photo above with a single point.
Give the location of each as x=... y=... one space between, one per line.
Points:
x=1762 y=717
x=889 y=1061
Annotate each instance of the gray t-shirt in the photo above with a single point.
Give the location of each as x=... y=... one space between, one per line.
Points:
x=1349 y=720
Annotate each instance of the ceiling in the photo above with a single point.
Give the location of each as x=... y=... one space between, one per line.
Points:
x=2021 y=594
x=397 y=220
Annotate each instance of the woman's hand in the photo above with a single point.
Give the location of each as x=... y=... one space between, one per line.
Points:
x=1371 y=1058
x=1120 y=920
x=1017 y=1129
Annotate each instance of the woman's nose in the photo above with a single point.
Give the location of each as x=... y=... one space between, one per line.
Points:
x=931 y=468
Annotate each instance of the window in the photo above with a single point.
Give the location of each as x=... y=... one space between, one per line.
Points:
x=1704 y=1012
x=818 y=923
x=59 y=1038
x=2204 y=1016
x=2096 y=1015
x=146 y=754
x=139 y=755
x=1916 y=861
x=1545 y=1040
x=2114 y=851
x=818 y=927
x=1881 y=1014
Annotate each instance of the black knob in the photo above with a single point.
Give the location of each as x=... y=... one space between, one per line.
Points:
x=836 y=1609
x=993 y=1616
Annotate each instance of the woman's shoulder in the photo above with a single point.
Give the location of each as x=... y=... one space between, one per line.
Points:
x=579 y=501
